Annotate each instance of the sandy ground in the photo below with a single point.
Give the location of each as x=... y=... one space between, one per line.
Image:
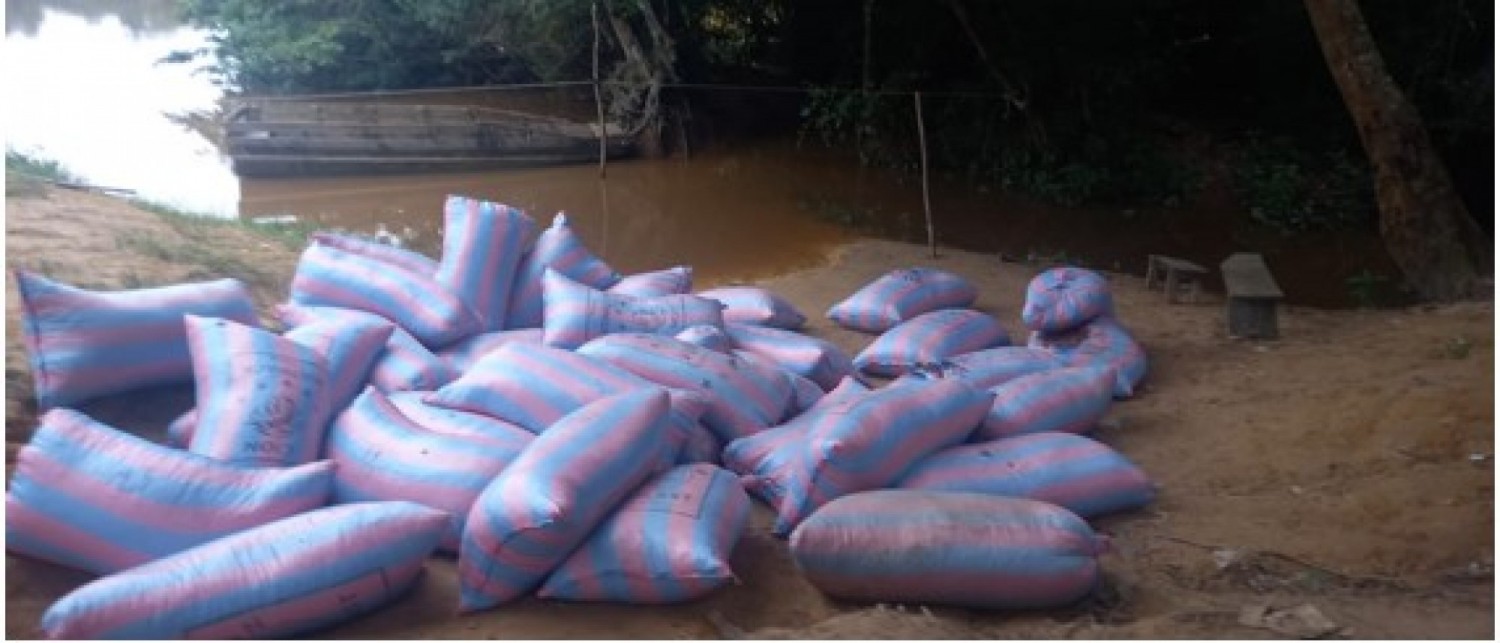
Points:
x=1346 y=466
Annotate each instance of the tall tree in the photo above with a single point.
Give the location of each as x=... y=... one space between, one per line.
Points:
x=1426 y=227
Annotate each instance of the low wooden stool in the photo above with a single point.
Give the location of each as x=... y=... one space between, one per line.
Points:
x=1173 y=273
x=1253 y=295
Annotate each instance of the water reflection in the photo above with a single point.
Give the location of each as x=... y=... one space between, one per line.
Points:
x=139 y=17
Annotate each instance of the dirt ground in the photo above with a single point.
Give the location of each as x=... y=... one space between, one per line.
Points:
x=1347 y=466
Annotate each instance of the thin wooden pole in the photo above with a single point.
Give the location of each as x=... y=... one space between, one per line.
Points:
x=926 y=196
x=598 y=96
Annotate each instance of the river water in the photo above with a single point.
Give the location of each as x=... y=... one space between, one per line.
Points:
x=84 y=88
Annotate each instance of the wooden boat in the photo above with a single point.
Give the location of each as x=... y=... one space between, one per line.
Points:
x=280 y=137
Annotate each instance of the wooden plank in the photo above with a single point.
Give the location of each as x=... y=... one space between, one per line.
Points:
x=1179 y=265
x=1246 y=276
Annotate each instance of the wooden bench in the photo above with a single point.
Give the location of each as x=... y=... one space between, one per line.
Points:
x=1171 y=274
x=1253 y=295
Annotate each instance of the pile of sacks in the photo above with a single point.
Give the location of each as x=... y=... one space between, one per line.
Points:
x=567 y=432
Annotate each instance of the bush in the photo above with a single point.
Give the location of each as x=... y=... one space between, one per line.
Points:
x=1294 y=190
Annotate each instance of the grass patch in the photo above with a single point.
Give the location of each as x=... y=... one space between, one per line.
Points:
x=207 y=228
x=28 y=176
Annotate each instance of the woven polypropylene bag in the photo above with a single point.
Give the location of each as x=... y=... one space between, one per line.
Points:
x=461 y=356
x=710 y=337
x=813 y=358
x=756 y=306
x=90 y=496
x=767 y=451
x=85 y=344
x=552 y=496
x=577 y=313
x=560 y=249
x=677 y=280
x=383 y=455
x=462 y=423
x=900 y=295
x=1071 y=471
x=288 y=577
x=988 y=368
x=1101 y=342
x=1064 y=298
x=668 y=543
x=483 y=243
x=948 y=548
x=399 y=257
x=929 y=338
x=1067 y=399
x=404 y=365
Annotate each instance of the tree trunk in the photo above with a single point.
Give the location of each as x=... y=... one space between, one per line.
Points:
x=1426 y=227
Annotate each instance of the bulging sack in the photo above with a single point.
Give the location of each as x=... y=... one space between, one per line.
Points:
x=813 y=358
x=948 y=548
x=483 y=243
x=988 y=368
x=1067 y=470
x=461 y=356
x=551 y=497
x=404 y=365
x=292 y=576
x=461 y=423
x=929 y=338
x=380 y=454
x=900 y=295
x=560 y=249
x=756 y=306
x=1066 y=399
x=710 y=337
x=770 y=450
x=577 y=313
x=92 y=497
x=677 y=280
x=400 y=257
x=85 y=344
x=1101 y=342
x=668 y=543
x=1065 y=298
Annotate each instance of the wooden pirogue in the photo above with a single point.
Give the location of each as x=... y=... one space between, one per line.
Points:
x=280 y=137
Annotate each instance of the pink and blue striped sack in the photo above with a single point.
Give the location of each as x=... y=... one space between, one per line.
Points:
x=805 y=395
x=948 y=548
x=928 y=338
x=84 y=344
x=262 y=398
x=1067 y=470
x=699 y=445
x=293 y=576
x=548 y=501
x=460 y=423
x=987 y=368
x=1102 y=342
x=461 y=356
x=869 y=442
x=756 y=306
x=740 y=401
x=577 y=313
x=400 y=257
x=900 y=295
x=380 y=454
x=417 y=303
x=770 y=450
x=89 y=496
x=483 y=243
x=560 y=249
x=710 y=337
x=668 y=543
x=773 y=380
x=404 y=365
x=677 y=280
x=1065 y=298
x=1067 y=399
x=816 y=359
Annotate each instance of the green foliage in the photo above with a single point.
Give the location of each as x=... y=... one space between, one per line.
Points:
x=1365 y=288
x=35 y=167
x=1293 y=190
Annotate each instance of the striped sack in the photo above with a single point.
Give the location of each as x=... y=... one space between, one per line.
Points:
x=547 y=502
x=1102 y=342
x=483 y=243
x=417 y=303
x=461 y=356
x=668 y=543
x=577 y=313
x=988 y=368
x=460 y=423
x=383 y=455
x=404 y=365
x=92 y=497
x=84 y=344
x=740 y=402
x=560 y=249
x=772 y=449
x=805 y=395
x=756 y=306
x=1071 y=471
x=772 y=379
x=1067 y=399
x=1065 y=298
x=901 y=295
x=262 y=398
x=816 y=359
x=699 y=445
x=710 y=337
x=400 y=257
x=677 y=280
x=180 y=431
x=869 y=442
x=948 y=548
x=292 y=576
x=930 y=337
